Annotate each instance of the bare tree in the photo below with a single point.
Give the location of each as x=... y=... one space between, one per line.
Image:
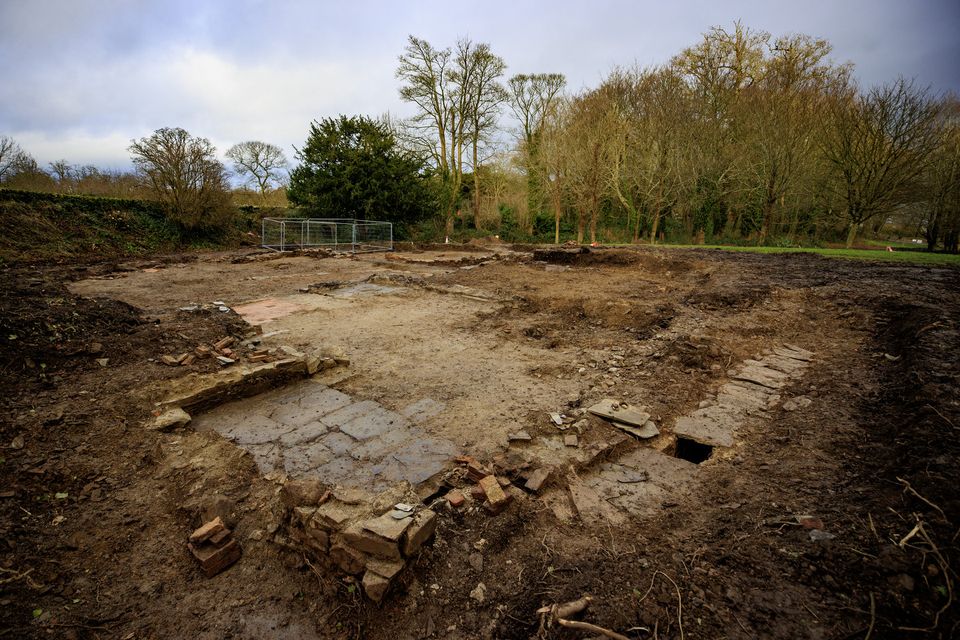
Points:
x=64 y=173
x=454 y=91
x=777 y=118
x=11 y=155
x=259 y=163
x=184 y=174
x=942 y=182
x=591 y=146
x=532 y=99
x=483 y=108
x=878 y=144
x=553 y=160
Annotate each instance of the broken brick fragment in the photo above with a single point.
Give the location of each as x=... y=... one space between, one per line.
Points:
x=537 y=479
x=496 y=498
x=456 y=499
x=208 y=530
x=476 y=471
x=170 y=361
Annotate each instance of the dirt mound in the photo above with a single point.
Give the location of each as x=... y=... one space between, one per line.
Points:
x=47 y=332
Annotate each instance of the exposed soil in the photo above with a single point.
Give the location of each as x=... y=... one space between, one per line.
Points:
x=96 y=509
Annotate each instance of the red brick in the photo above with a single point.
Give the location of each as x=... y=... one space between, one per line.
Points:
x=456 y=499
x=208 y=530
x=496 y=498
x=213 y=559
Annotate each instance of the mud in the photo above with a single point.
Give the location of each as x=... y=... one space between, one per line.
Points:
x=464 y=350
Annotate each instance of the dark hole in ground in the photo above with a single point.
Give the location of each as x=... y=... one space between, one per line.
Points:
x=692 y=451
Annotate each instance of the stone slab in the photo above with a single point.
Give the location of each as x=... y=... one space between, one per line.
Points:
x=621 y=412
x=298 y=461
x=592 y=507
x=664 y=471
x=304 y=434
x=376 y=448
x=761 y=376
x=375 y=586
x=311 y=406
x=373 y=423
x=350 y=412
x=794 y=355
x=253 y=429
x=704 y=430
x=645 y=432
x=800 y=353
x=387 y=527
x=266 y=310
x=418 y=460
x=339 y=443
x=357 y=537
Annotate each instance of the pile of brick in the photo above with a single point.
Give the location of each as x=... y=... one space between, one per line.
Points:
x=213 y=547
x=493 y=491
x=358 y=536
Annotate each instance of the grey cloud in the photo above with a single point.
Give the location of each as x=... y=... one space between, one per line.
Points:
x=94 y=74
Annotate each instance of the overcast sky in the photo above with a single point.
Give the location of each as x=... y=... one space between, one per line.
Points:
x=81 y=78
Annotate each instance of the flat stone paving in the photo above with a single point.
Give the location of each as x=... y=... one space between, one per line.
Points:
x=309 y=429
x=641 y=480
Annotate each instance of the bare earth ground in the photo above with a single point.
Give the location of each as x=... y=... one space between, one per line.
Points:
x=96 y=510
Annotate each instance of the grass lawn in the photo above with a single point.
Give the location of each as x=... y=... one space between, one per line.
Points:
x=919 y=257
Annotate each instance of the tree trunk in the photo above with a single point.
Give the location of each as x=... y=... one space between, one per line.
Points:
x=476 y=188
x=654 y=225
x=851 y=234
x=593 y=219
x=765 y=224
x=557 y=211
x=933 y=231
x=581 y=223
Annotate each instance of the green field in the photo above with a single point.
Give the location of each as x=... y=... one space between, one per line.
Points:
x=918 y=257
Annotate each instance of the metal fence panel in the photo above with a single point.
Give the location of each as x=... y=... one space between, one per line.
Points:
x=338 y=234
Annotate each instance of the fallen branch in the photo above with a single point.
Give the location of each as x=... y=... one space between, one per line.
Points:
x=945 y=418
x=873 y=617
x=586 y=626
x=908 y=487
x=945 y=569
x=567 y=609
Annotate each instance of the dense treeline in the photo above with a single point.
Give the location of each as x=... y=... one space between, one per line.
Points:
x=741 y=137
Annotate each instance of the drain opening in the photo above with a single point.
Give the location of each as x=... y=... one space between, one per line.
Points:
x=692 y=451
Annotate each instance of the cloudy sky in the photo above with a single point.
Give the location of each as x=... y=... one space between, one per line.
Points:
x=81 y=78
